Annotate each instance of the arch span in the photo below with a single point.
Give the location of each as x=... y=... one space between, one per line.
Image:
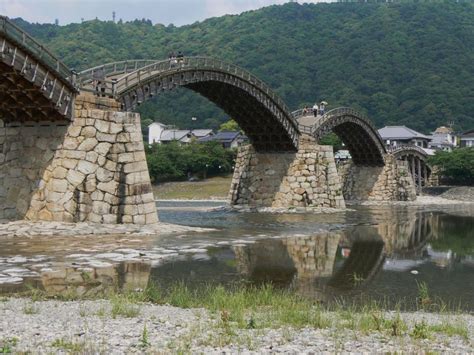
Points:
x=356 y=131
x=417 y=160
x=34 y=85
x=259 y=111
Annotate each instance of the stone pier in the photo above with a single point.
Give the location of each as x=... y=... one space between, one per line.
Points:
x=391 y=182
x=91 y=169
x=307 y=178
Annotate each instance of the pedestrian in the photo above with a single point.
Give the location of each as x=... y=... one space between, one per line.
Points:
x=315 y=109
x=173 y=61
x=322 y=107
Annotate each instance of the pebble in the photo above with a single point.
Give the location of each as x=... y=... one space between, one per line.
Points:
x=90 y=325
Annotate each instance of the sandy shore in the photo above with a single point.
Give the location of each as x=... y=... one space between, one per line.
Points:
x=93 y=327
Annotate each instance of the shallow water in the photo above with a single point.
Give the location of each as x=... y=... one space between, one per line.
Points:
x=383 y=253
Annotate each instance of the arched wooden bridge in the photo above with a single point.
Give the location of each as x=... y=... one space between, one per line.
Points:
x=34 y=84
x=259 y=111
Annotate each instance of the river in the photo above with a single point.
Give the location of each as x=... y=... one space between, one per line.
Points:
x=391 y=254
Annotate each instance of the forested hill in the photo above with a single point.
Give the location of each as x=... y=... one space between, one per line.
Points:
x=409 y=63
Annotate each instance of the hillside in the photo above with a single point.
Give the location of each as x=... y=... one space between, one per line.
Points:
x=410 y=63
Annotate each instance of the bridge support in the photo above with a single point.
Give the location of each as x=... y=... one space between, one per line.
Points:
x=302 y=179
x=391 y=182
x=93 y=170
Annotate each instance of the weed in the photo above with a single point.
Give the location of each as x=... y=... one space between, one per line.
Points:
x=123 y=305
x=420 y=331
x=69 y=346
x=30 y=308
x=424 y=299
x=144 y=341
x=7 y=345
x=451 y=329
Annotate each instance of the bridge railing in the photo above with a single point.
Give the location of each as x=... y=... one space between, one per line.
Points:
x=15 y=34
x=101 y=72
x=407 y=147
x=187 y=63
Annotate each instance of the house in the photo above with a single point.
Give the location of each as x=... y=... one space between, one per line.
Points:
x=160 y=133
x=228 y=139
x=443 y=139
x=154 y=132
x=180 y=135
x=394 y=136
x=467 y=139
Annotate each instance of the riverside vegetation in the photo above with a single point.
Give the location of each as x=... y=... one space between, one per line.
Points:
x=237 y=309
x=404 y=62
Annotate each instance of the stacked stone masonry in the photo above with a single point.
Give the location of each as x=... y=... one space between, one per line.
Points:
x=92 y=169
x=307 y=178
x=391 y=182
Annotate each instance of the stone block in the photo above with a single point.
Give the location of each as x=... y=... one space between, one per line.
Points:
x=86 y=167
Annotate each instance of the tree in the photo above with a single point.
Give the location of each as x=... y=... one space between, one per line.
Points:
x=230 y=125
x=456 y=167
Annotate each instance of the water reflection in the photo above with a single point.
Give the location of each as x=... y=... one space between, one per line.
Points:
x=376 y=252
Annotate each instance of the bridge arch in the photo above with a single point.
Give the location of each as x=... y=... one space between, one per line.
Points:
x=354 y=129
x=417 y=160
x=258 y=110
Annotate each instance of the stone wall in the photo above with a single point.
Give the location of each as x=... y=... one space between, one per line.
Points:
x=25 y=152
x=391 y=182
x=93 y=170
x=302 y=179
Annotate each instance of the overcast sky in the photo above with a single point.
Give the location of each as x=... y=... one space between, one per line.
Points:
x=178 y=12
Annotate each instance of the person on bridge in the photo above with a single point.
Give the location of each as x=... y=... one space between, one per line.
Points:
x=315 y=109
x=322 y=107
x=172 y=58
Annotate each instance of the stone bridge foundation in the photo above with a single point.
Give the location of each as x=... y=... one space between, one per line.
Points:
x=302 y=179
x=90 y=170
x=391 y=182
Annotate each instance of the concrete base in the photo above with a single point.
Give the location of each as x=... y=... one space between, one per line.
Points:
x=306 y=178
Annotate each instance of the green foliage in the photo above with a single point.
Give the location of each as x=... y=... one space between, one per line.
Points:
x=332 y=139
x=456 y=166
x=401 y=63
x=174 y=161
x=230 y=125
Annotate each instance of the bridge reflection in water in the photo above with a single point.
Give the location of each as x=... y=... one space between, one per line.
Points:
x=322 y=266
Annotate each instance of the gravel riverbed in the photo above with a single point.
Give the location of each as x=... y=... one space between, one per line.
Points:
x=90 y=327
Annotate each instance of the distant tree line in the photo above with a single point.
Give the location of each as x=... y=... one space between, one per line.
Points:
x=407 y=62
x=175 y=161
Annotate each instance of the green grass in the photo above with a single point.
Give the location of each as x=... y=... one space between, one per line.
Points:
x=124 y=306
x=7 y=345
x=243 y=307
x=69 y=346
x=211 y=188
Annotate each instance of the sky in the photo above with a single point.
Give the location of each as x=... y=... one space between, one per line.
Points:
x=177 y=12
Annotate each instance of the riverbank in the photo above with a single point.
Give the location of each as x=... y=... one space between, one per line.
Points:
x=121 y=325
x=214 y=188
x=458 y=193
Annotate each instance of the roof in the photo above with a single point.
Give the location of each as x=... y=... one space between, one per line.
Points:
x=224 y=136
x=468 y=134
x=174 y=134
x=443 y=130
x=201 y=132
x=400 y=132
x=439 y=139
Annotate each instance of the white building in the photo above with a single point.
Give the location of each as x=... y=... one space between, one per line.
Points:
x=443 y=139
x=154 y=132
x=160 y=133
x=467 y=139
